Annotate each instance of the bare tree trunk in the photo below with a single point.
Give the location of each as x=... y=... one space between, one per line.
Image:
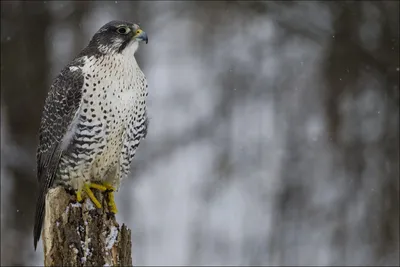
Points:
x=77 y=234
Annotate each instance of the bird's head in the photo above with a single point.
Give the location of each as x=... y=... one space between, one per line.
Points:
x=118 y=37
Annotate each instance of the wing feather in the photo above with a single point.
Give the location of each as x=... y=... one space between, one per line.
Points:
x=61 y=106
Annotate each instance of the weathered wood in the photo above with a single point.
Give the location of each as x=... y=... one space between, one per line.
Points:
x=77 y=234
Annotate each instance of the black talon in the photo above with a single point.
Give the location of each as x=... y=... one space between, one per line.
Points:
x=70 y=191
x=110 y=215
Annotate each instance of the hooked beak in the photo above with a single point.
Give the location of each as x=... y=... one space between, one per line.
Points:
x=141 y=36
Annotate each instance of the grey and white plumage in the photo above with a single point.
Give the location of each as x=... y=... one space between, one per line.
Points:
x=94 y=116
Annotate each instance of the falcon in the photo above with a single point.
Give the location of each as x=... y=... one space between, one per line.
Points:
x=94 y=118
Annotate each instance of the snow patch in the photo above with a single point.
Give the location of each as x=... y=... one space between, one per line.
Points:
x=76 y=205
x=89 y=205
x=112 y=237
x=86 y=248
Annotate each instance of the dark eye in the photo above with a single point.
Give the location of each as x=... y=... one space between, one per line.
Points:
x=123 y=30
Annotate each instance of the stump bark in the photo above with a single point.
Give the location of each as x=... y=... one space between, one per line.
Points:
x=76 y=234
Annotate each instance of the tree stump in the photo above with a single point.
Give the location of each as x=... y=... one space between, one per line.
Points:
x=76 y=234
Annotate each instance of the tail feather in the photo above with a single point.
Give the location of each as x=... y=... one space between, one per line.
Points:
x=46 y=174
x=39 y=215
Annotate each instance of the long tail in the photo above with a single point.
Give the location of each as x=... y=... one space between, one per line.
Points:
x=46 y=179
x=39 y=215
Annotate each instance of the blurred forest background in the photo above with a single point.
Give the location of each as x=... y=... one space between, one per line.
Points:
x=274 y=131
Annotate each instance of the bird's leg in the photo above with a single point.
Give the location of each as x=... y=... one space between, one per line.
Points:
x=99 y=187
x=111 y=201
x=79 y=196
x=105 y=187
x=88 y=190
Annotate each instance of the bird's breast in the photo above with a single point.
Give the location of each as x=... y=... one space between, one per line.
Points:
x=112 y=99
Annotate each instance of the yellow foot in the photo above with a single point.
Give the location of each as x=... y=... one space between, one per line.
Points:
x=87 y=188
x=111 y=203
x=79 y=196
x=110 y=200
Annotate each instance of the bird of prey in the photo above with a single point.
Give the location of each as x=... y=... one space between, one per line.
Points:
x=94 y=118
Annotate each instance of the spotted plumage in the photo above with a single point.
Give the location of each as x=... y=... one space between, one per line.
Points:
x=94 y=116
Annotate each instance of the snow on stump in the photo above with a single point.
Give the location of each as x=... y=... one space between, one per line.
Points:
x=77 y=234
